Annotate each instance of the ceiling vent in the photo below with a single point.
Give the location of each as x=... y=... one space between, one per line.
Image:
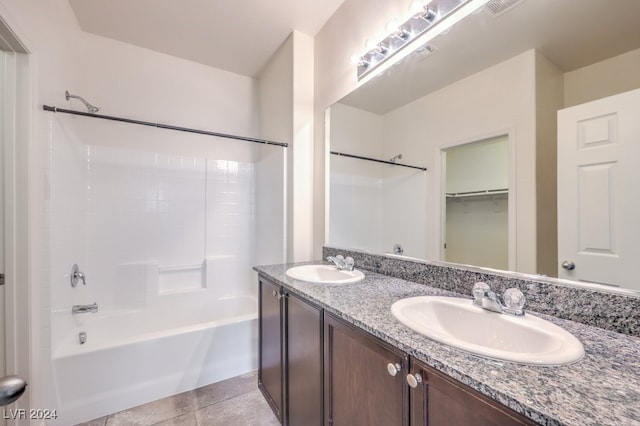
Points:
x=498 y=7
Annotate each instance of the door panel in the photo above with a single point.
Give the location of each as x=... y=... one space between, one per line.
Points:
x=270 y=372
x=598 y=148
x=304 y=363
x=438 y=400
x=359 y=390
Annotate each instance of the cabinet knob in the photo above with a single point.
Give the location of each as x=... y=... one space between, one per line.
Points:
x=393 y=369
x=275 y=293
x=568 y=265
x=414 y=380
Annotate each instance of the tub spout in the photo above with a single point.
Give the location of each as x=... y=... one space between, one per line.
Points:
x=83 y=309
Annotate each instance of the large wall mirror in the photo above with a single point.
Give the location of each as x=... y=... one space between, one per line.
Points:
x=525 y=116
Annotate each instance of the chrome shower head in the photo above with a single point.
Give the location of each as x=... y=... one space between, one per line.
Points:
x=90 y=108
x=395 y=157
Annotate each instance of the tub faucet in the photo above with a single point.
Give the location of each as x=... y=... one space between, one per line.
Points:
x=342 y=263
x=511 y=302
x=83 y=309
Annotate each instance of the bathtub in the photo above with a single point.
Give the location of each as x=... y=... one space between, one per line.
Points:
x=135 y=357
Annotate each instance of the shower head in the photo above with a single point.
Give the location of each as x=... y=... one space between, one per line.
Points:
x=395 y=157
x=90 y=108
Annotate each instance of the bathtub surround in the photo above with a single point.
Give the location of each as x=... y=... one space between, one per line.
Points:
x=165 y=227
x=601 y=389
x=599 y=308
x=131 y=359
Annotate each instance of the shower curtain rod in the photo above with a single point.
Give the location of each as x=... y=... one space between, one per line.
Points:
x=163 y=126
x=393 y=163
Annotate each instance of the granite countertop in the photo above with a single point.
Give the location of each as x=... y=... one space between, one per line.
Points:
x=601 y=389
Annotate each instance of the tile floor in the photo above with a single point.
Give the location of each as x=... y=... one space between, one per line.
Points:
x=236 y=401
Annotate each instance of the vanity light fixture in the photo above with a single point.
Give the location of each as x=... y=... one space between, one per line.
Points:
x=428 y=19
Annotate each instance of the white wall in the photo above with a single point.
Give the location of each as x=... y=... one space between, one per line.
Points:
x=356 y=186
x=276 y=123
x=286 y=99
x=404 y=201
x=144 y=225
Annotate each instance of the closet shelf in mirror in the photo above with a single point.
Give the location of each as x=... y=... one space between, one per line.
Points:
x=393 y=163
x=477 y=193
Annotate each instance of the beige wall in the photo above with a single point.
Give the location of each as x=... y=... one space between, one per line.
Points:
x=609 y=77
x=549 y=98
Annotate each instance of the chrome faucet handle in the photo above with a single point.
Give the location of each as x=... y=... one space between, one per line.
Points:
x=349 y=263
x=76 y=276
x=479 y=291
x=513 y=301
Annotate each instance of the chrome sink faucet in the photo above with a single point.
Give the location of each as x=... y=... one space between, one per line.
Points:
x=511 y=302
x=342 y=263
x=83 y=309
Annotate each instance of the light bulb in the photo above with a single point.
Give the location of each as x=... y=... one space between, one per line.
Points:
x=429 y=14
x=417 y=6
x=393 y=25
x=369 y=45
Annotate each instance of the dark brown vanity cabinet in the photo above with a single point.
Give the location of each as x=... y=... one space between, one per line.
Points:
x=364 y=378
x=436 y=400
x=290 y=370
x=271 y=342
x=315 y=368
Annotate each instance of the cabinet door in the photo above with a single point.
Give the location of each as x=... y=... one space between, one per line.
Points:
x=270 y=360
x=304 y=362
x=441 y=401
x=359 y=389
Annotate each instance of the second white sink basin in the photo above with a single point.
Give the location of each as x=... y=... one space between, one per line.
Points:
x=457 y=322
x=324 y=274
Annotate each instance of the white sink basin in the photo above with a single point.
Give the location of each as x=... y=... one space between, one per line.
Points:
x=324 y=274
x=458 y=323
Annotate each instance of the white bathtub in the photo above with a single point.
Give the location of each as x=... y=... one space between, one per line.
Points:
x=132 y=358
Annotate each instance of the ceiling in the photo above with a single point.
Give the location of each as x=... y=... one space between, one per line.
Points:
x=570 y=33
x=234 y=35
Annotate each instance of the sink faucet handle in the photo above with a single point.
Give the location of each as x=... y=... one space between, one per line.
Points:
x=514 y=301
x=349 y=263
x=479 y=291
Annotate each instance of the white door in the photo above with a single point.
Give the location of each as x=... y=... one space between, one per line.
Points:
x=599 y=191
x=3 y=125
x=11 y=387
